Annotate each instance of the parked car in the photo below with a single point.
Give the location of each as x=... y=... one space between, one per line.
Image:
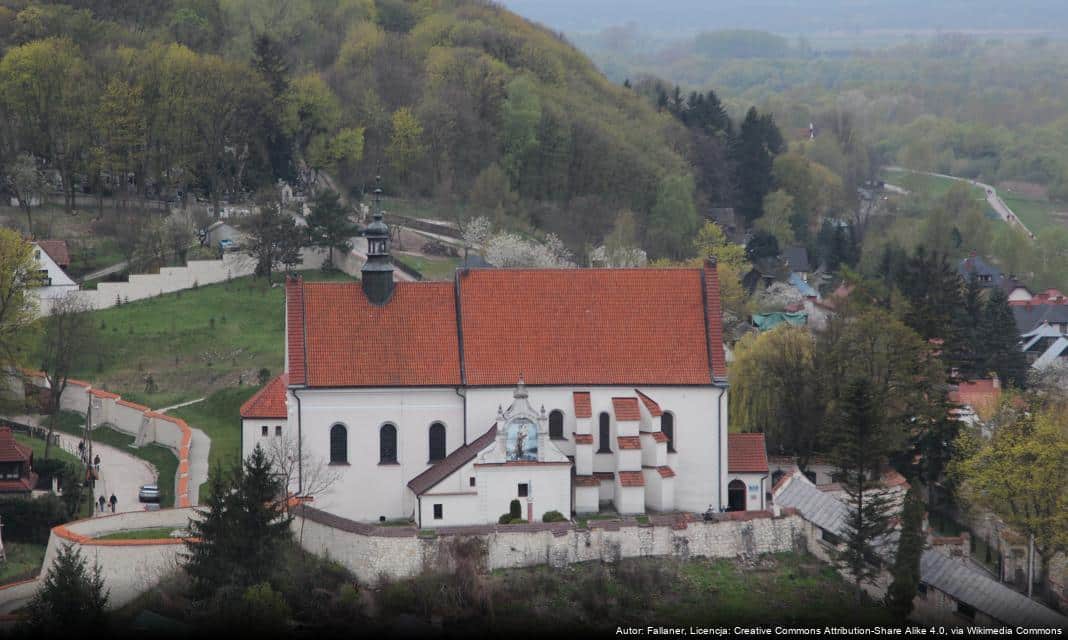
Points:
x=148 y=493
x=226 y=244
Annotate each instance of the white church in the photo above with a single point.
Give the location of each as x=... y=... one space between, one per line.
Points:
x=570 y=390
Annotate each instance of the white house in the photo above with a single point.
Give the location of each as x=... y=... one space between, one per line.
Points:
x=52 y=257
x=567 y=389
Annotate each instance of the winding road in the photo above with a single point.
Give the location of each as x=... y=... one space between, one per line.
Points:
x=992 y=197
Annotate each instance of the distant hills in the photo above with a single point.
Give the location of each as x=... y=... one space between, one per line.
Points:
x=797 y=16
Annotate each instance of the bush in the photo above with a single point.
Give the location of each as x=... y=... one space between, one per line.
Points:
x=31 y=520
x=553 y=516
x=515 y=509
x=505 y=518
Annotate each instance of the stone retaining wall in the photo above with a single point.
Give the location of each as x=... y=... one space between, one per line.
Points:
x=370 y=551
x=139 y=421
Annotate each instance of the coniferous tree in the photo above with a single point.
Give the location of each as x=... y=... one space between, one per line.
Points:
x=329 y=225
x=933 y=290
x=72 y=597
x=969 y=356
x=861 y=447
x=754 y=149
x=240 y=532
x=1000 y=340
x=907 y=561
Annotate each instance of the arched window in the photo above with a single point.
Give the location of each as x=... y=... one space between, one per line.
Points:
x=387 y=444
x=736 y=496
x=437 y=442
x=604 y=446
x=339 y=444
x=556 y=425
x=667 y=425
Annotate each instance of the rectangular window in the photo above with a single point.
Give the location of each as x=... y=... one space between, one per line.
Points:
x=263 y=431
x=438 y=512
x=472 y=481
x=278 y=430
x=829 y=537
x=966 y=611
x=523 y=489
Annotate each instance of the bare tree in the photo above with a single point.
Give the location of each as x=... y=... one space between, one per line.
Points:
x=305 y=475
x=69 y=338
x=28 y=185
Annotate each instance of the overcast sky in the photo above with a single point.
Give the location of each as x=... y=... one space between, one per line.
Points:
x=797 y=16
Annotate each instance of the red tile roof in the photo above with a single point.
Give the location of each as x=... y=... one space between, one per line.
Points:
x=666 y=472
x=57 y=250
x=22 y=485
x=981 y=395
x=295 y=330
x=601 y=329
x=411 y=341
x=631 y=479
x=658 y=436
x=626 y=409
x=268 y=402
x=11 y=451
x=650 y=404
x=583 y=438
x=587 y=481
x=430 y=478
x=582 y=405
x=585 y=326
x=629 y=442
x=746 y=453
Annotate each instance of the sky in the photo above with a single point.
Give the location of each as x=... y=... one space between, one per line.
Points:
x=685 y=17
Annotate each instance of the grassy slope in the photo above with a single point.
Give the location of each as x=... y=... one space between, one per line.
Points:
x=218 y=418
x=192 y=342
x=23 y=561
x=431 y=268
x=1036 y=214
x=38 y=446
x=140 y=534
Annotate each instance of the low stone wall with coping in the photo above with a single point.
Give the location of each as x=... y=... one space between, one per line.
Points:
x=370 y=551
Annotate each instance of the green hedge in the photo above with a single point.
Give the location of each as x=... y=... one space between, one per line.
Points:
x=31 y=520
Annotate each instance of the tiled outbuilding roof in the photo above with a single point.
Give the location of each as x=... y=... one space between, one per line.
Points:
x=428 y=479
x=583 y=408
x=629 y=442
x=268 y=402
x=57 y=250
x=587 y=481
x=583 y=438
x=746 y=453
x=626 y=409
x=10 y=450
x=549 y=326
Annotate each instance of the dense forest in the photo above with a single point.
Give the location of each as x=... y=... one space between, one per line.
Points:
x=459 y=101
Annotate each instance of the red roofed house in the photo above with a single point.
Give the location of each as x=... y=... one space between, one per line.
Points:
x=16 y=466
x=747 y=468
x=52 y=259
x=566 y=389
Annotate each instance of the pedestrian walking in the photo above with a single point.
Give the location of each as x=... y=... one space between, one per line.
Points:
x=101 y=503
x=96 y=462
x=114 y=501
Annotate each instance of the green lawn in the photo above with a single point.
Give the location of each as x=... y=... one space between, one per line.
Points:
x=1036 y=214
x=934 y=186
x=218 y=417
x=23 y=561
x=139 y=534
x=55 y=452
x=191 y=342
x=431 y=268
x=162 y=458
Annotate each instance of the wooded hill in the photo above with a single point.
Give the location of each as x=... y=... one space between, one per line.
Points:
x=456 y=100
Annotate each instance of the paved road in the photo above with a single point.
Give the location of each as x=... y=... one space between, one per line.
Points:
x=992 y=197
x=121 y=474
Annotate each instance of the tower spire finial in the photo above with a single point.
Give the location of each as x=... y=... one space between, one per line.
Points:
x=377 y=273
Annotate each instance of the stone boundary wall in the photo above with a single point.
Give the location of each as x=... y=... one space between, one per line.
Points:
x=370 y=551
x=171 y=279
x=144 y=424
x=129 y=567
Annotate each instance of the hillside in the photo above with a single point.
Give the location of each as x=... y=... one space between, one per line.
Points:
x=456 y=100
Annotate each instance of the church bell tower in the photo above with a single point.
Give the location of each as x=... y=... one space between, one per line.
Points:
x=377 y=273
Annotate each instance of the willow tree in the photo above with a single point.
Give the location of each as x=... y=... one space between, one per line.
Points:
x=776 y=389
